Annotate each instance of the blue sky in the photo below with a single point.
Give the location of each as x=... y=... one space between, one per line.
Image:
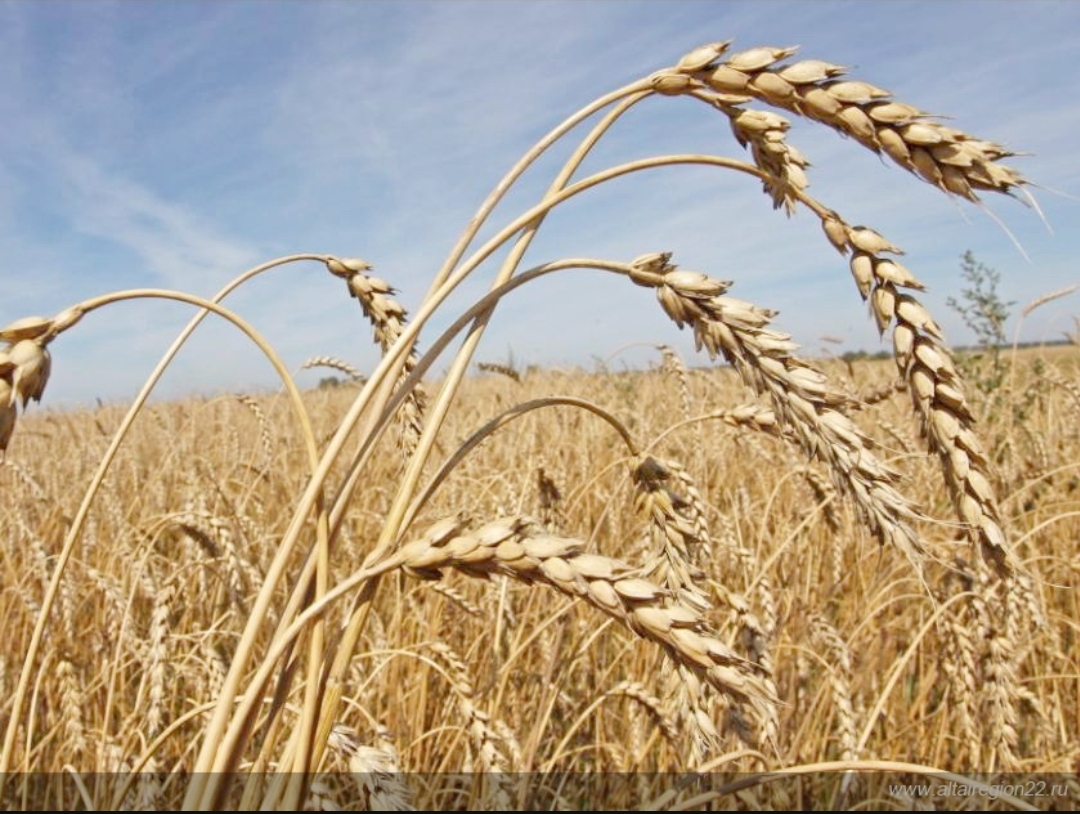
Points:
x=174 y=144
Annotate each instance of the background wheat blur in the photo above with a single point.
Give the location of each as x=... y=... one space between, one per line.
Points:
x=451 y=590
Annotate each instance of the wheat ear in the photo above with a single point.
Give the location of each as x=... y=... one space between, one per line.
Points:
x=518 y=548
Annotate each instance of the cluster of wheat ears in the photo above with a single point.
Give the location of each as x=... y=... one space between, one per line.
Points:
x=254 y=598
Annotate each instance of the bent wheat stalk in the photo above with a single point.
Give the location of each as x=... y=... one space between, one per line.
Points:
x=803 y=405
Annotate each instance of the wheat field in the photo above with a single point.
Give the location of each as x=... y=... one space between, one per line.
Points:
x=744 y=580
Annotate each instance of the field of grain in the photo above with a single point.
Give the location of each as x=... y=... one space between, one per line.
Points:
x=740 y=581
x=870 y=659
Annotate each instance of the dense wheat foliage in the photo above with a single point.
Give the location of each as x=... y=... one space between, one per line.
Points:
x=868 y=662
x=749 y=579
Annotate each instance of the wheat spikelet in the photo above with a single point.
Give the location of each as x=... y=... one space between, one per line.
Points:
x=676 y=525
x=1026 y=628
x=8 y=410
x=931 y=377
x=33 y=364
x=217 y=667
x=481 y=735
x=824 y=493
x=549 y=501
x=1049 y=296
x=216 y=537
x=518 y=548
x=999 y=682
x=960 y=664
x=755 y=638
x=158 y=657
x=457 y=597
x=876 y=395
x=751 y=416
x=1073 y=336
x=23 y=474
x=638 y=692
x=674 y=366
x=1055 y=377
x=840 y=678
x=784 y=165
x=43 y=562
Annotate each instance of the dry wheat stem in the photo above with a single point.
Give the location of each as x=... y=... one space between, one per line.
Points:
x=631 y=90
x=63 y=321
x=73 y=532
x=628 y=97
x=353 y=628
